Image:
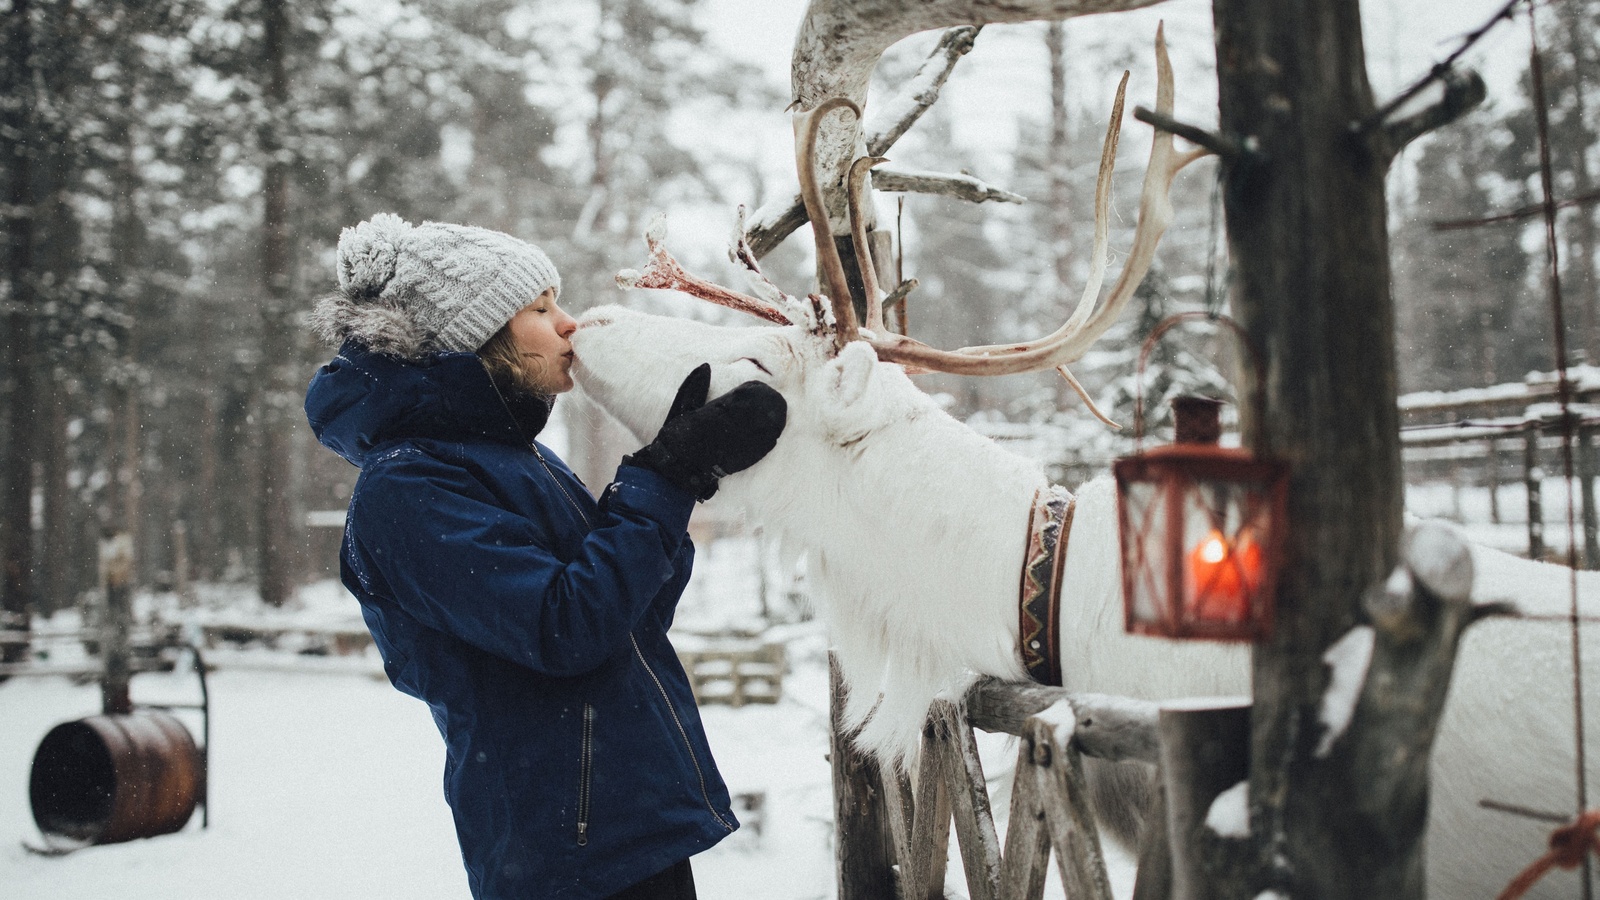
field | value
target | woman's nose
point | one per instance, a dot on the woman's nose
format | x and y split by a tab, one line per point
566	325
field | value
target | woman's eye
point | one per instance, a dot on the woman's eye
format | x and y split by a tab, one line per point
755	362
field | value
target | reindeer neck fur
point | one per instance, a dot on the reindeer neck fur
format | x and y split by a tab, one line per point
913	525
920	626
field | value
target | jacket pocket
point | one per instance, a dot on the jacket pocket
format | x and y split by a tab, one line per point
585	774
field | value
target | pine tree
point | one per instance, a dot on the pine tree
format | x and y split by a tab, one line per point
1468	314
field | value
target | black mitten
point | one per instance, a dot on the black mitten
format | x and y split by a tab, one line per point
700	442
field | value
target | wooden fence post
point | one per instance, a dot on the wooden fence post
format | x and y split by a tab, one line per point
1494	481
1204	752
1586	473
116	576
180	565
1533	478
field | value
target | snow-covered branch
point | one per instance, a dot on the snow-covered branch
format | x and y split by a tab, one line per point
965	187
840	42
777	220
903	110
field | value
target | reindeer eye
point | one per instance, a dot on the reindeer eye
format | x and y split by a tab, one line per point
755	362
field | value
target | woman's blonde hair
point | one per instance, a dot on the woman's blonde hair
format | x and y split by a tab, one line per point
509	368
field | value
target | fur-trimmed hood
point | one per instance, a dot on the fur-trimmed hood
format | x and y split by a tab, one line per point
362	400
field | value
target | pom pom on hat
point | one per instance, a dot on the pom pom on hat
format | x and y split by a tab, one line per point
411	290
367	254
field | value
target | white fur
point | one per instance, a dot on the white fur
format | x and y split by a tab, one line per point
913	526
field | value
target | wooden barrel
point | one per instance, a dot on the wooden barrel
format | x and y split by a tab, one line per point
106	779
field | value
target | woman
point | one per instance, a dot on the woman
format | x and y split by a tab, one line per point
531	618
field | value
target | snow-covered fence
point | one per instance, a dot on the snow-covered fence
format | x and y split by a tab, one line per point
1489	453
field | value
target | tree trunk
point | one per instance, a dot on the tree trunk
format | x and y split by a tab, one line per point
866	848
1586	291
276	534
1060	213
18	132
1306	230
864	844
206	538
54	588
1060	173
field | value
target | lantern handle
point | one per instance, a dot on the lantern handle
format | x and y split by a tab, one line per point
1162	327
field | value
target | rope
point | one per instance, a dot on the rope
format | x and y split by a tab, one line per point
1570	846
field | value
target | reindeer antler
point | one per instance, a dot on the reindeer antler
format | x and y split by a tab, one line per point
1088	320
833	277
663	272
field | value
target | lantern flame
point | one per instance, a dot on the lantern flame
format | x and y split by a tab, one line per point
1223	577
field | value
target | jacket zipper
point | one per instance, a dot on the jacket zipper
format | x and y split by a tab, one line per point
683	733
535	448
561	487
585	772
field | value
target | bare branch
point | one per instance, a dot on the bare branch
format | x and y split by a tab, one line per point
1524	212
840	42
776	221
773	222
1462	92
1223	147
915	97
965	187
858	194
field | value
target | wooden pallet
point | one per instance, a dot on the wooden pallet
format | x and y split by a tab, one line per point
735	675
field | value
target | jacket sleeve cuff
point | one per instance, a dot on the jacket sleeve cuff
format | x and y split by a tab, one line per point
654	496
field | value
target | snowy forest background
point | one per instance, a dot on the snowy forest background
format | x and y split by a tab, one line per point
177	173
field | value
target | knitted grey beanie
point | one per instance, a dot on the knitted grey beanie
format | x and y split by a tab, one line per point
408	290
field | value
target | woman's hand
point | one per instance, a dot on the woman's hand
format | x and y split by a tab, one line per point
700	441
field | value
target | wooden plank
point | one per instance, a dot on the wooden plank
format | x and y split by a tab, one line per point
975	831
81	670
1065	798
930	832
901	806
1027	853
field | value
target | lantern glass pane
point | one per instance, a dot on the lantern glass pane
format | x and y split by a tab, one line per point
1145	555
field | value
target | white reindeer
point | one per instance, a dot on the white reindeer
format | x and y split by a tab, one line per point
913	526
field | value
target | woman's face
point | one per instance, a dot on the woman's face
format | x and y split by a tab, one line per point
542	332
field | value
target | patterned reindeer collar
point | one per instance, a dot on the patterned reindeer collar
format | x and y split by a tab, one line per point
1049	526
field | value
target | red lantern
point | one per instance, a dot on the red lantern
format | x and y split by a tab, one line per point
1201	528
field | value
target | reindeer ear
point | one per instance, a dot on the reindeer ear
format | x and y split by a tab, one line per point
850	372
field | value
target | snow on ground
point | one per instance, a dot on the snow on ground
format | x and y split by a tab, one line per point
326	781
328	786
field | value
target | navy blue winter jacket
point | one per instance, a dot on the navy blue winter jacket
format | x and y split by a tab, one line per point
533	622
